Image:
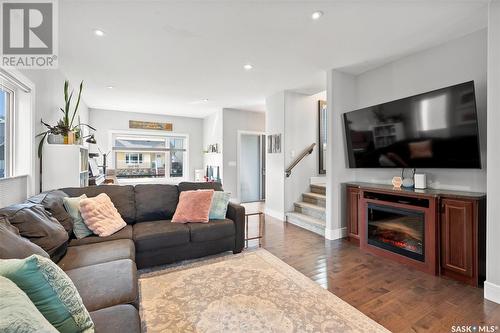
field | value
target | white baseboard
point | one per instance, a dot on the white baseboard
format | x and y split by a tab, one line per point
492	292
333	234
273	213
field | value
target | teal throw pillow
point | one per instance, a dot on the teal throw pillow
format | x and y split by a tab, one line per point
72	206
51	290
218	209
18	314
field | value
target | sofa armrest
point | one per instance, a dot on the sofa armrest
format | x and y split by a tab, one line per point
236	213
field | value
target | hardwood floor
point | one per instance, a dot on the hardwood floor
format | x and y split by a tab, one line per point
399	298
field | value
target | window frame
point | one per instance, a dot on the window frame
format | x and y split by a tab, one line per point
162	135
9	141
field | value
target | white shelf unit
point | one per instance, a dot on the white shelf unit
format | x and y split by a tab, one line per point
64	166
386	134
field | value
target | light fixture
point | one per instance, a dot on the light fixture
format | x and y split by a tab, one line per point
109	87
91	139
248	67
205	100
317	15
99	33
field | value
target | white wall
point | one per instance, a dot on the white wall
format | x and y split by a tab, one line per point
275	163
457	61
233	121
492	284
213	134
107	120
301	125
49	97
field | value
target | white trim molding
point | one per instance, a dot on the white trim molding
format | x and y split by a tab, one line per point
277	215
332	234
492	292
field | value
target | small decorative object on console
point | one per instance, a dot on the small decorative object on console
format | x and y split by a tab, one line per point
397	181
420	181
407	175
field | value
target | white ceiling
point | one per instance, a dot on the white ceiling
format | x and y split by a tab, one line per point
167	56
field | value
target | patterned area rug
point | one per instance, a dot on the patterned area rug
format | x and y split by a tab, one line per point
250	292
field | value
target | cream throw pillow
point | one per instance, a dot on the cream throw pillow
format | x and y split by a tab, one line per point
101	216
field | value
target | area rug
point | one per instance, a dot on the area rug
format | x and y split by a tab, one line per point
250	292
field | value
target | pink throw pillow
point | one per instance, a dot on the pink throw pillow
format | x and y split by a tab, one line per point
193	206
101	216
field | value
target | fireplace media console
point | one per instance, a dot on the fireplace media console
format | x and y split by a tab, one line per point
440	232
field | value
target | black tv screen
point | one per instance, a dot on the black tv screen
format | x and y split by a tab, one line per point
437	129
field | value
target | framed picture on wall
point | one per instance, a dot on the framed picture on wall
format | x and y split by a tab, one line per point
274	144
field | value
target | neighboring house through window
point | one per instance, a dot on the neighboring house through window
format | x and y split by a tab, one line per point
149	156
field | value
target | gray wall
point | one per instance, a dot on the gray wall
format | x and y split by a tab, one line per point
457	61
107	120
233	121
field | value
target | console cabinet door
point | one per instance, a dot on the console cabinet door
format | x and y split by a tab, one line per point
352	212
457	237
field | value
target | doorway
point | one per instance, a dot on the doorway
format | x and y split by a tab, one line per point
251	166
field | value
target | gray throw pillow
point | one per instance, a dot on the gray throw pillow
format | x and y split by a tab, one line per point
13	246
35	224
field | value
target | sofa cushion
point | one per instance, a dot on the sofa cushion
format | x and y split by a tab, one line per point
117	319
155	201
51	290
92	254
125	233
53	203
107	284
159	234
192	186
13	246
18	313
213	230
34	223
122	197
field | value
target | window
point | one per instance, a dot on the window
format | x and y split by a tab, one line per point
6	97
149	156
133	159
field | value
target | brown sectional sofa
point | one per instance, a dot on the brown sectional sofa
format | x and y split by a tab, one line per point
104	270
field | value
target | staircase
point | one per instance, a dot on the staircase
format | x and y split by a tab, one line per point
310	213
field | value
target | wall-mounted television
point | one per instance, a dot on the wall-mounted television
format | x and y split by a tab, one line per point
436	129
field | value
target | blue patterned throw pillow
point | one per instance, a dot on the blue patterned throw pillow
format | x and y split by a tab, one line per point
218	209
18	314
51	290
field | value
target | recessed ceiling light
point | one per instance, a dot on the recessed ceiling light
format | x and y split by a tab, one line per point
317	15
109	87
205	100
99	33
248	67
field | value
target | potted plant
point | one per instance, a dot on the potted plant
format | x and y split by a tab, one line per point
64	131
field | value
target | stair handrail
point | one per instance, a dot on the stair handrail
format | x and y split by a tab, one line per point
305	152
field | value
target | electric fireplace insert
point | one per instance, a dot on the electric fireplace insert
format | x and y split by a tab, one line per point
401	231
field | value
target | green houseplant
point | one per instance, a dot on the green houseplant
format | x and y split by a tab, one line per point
65	126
